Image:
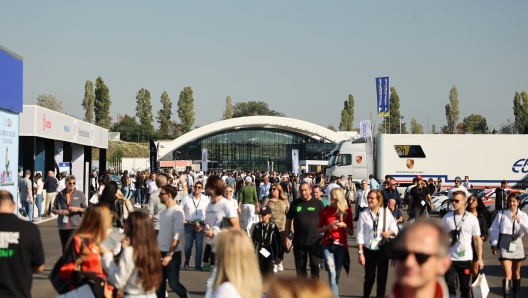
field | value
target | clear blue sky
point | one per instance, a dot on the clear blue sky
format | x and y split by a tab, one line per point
301	57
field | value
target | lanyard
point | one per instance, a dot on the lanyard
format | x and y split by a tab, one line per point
196	205
263	235
457	227
374	224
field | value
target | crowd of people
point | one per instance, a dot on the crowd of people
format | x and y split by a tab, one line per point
119	249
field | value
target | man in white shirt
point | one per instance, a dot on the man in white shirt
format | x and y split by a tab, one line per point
62	182
169	242
361	197
466	183
458	184
264	189
333	184
190	182
463	227
194	206
151	184
308	179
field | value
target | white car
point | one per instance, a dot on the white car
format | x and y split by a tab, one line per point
438	199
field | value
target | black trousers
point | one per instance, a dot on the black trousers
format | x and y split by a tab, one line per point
265	265
64	236
301	254
463	270
374	259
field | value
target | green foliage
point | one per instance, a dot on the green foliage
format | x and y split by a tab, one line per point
164	115
331	127
88	102
520	111
347	114
392	125
416	128
102	104
186	110
475	124
228	110
253	108
144	113
51	102
129	129
452	111
433	129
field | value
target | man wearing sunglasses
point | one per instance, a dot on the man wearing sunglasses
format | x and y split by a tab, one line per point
458	184
462	226
422	251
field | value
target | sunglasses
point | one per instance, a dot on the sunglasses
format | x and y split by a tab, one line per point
197	187
71	183
273	189
455	201
401	255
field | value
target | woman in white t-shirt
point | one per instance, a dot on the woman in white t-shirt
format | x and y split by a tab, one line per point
238	273
228	194
39	186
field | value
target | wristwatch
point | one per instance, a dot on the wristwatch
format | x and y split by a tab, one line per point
169	254
360	251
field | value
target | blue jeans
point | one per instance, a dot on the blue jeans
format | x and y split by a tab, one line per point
172	273
125	190
139	197
190	236
38	202
28	207
334	263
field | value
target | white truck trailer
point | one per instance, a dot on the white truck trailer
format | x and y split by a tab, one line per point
486	159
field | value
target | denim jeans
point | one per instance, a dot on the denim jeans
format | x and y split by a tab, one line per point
190	237
172	273
139	197
28	207
38	203
125	190
334	263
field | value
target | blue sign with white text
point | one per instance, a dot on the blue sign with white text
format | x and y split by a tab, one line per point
382	96
11	78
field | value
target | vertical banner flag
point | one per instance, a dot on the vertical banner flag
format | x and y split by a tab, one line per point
153	157
271	166
268	167
365	129
205	158
382	96
295	161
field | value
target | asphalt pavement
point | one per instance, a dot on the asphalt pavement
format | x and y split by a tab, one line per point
194	281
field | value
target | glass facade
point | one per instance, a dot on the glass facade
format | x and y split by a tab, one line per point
252	149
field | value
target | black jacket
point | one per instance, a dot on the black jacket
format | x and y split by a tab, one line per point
267	237
500	198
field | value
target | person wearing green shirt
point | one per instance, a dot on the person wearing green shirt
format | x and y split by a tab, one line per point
248	200
317	192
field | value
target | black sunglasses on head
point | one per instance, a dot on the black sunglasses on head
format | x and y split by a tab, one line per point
401	255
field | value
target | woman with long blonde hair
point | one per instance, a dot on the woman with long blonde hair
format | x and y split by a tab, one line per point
238	274
336	222
278	202
86	241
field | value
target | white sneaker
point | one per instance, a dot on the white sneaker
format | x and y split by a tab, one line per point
166	294
280	268
275	268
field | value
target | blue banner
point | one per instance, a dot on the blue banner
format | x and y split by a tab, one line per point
382	96
11	78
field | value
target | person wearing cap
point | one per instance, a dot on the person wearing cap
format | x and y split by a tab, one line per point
248	200
419	197
462	226
266	239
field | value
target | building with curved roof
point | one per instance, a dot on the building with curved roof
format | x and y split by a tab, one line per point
252	143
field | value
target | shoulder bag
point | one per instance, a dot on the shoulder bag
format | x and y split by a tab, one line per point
386	244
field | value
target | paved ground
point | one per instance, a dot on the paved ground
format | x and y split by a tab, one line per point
349	286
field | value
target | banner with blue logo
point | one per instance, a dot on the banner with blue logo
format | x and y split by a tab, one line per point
382	96
365	129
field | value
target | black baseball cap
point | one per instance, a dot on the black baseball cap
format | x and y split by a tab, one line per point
265	210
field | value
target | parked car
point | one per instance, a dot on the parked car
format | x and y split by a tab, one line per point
438	199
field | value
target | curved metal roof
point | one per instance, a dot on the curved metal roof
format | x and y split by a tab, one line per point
289	124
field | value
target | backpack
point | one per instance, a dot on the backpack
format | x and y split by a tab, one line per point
119	213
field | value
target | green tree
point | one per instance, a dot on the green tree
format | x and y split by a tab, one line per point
347	114
332	128
452	111
186	110
144	113
253	108
51	102
433	129
102	104
475	124
228	110
88	101
416	128
392	125
128	128
520	111
164	115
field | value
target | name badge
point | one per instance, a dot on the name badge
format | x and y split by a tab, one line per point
374	244
423	203
65	219
513	246
264	252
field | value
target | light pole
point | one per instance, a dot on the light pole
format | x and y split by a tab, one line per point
401	117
